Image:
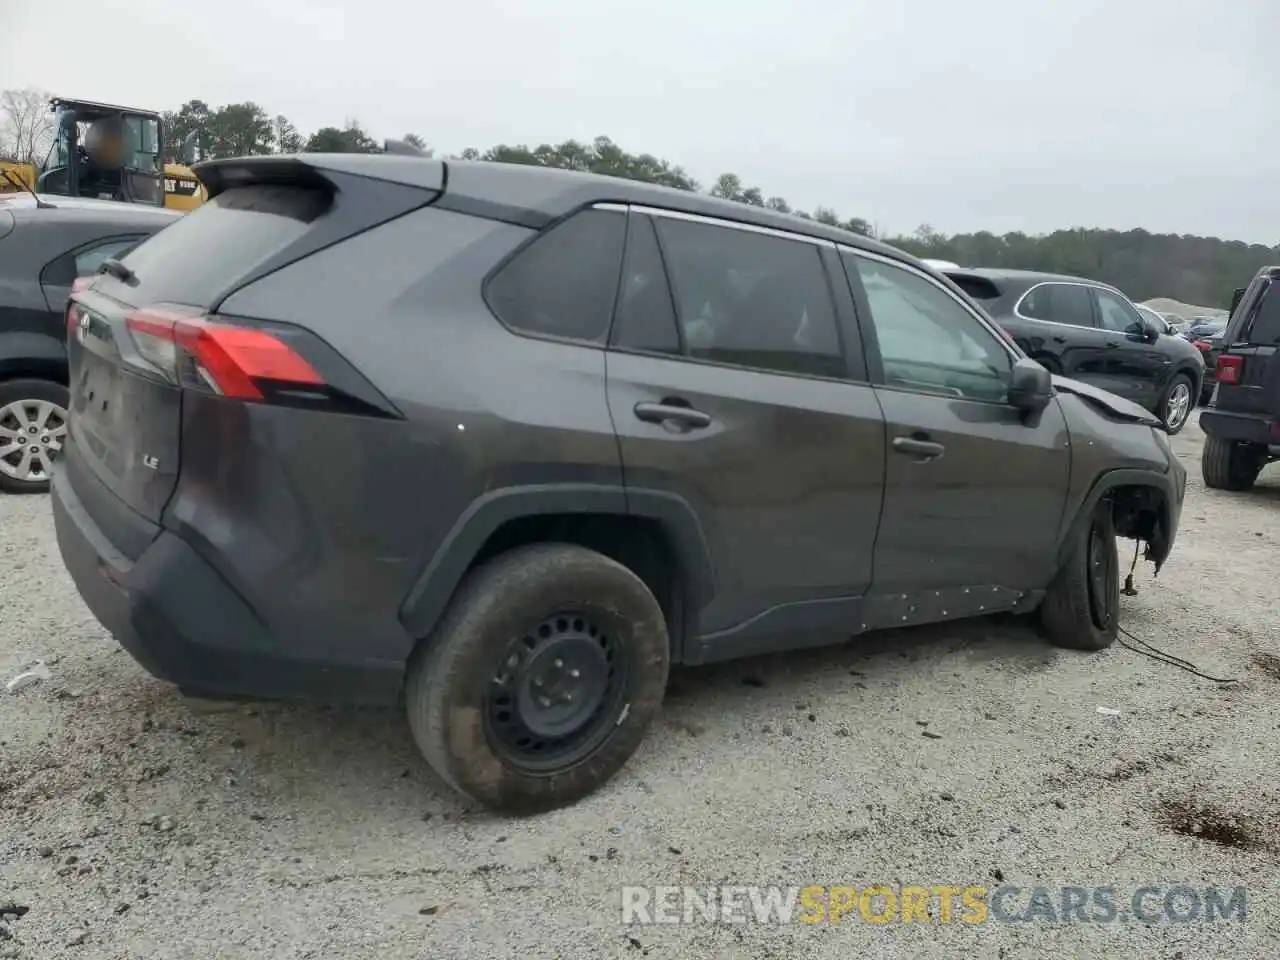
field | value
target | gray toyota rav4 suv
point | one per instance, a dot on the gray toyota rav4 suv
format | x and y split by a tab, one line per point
507	442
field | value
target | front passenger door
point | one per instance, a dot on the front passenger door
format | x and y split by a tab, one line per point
973	495
1136	369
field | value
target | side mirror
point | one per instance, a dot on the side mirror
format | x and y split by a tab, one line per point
1236	296
189	145
1030	386
1144	331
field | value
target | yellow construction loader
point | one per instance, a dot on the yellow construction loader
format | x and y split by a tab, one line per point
115	153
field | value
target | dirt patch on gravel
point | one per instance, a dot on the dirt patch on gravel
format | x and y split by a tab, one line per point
1268	663
1207	821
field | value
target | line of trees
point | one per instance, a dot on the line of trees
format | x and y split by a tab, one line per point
1196	270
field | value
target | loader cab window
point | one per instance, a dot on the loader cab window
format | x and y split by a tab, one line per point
140	145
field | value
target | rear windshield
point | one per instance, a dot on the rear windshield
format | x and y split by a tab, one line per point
202	255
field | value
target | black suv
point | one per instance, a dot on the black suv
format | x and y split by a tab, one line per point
1243	425
45	245
513	440
1091	332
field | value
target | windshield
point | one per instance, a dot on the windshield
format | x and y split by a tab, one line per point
141	144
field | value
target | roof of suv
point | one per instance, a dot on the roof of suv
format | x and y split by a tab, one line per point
533	196
1009	281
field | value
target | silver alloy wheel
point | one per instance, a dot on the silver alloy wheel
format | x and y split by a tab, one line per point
31	437
1178	405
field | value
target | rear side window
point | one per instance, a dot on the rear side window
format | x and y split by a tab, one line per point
1067	303
564	283
1266	321
752	300
196	258
89	261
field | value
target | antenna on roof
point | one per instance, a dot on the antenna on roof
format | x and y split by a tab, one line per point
402	148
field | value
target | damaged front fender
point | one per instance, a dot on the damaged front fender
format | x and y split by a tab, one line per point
1108	404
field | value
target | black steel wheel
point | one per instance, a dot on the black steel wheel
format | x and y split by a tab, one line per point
556	691
1081	608
542	678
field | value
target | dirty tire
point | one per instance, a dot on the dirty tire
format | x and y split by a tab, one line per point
450	674
1069	611
1227	465
1183	382
12	391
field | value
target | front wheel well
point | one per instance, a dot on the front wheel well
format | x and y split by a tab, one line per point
640	544
1195	376
1142	513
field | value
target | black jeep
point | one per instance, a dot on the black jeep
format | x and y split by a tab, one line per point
1243	424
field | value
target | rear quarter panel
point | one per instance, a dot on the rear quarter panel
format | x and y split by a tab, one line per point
315	507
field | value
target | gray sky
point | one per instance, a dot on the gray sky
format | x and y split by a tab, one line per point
982	114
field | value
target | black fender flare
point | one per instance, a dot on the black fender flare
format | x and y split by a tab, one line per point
24	350
435	585
1197	375
1075	524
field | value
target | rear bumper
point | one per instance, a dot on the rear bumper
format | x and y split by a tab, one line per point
183	623
1242	427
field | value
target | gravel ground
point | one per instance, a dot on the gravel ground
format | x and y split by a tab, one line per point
137	824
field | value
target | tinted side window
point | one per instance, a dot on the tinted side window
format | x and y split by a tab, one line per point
88	261
1067	303
646	317
1266	318
928	341
564	283
752	300
1116	314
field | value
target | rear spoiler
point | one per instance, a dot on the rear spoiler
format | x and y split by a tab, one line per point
324	171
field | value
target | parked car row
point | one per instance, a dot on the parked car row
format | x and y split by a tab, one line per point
1243	426
1092	332
44	246
589	429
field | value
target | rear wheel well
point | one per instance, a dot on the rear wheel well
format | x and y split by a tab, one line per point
34	368
638	543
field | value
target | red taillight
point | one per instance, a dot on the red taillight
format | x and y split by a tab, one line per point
1204	346
1229	368
226	358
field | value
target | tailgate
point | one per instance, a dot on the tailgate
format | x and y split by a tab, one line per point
125	422
1253	335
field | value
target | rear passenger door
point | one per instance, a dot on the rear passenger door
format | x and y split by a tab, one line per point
973	494
1057	326
737	385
